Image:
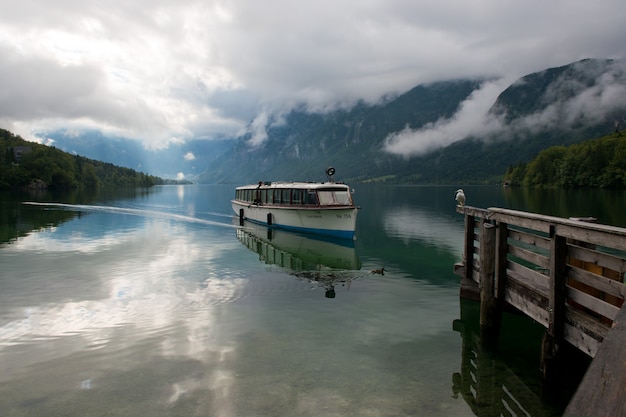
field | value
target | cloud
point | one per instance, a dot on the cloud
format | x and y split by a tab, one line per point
595	92
257	129
170	70
595	102
471	119
585	97
189	156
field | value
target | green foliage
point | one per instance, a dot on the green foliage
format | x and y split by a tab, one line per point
597	163
545	168
27	164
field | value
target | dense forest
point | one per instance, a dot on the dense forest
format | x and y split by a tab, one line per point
26	164
598	163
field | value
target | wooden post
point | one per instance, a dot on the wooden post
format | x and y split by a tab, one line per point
489	315
468	250
556	307
501	262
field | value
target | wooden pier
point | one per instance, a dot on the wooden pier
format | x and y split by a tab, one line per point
567	275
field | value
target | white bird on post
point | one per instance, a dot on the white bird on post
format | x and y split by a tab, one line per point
460	197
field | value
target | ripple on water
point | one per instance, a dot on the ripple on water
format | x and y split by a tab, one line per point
237	287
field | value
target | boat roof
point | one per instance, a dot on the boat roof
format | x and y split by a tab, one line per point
295	184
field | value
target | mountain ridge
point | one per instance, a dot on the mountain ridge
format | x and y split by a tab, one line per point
556	106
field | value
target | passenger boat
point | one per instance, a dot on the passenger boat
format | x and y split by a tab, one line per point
324	208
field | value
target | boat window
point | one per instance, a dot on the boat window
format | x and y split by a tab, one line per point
334	198
342	197
296	197
326	198
286	197
311	198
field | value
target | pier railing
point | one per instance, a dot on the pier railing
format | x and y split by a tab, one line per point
567	275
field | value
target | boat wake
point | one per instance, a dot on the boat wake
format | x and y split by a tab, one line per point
134	212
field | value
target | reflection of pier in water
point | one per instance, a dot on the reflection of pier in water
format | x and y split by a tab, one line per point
499	383
322	261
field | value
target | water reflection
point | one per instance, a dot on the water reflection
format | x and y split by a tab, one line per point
120	278
17	220
499	383
153	306
431	227
323	262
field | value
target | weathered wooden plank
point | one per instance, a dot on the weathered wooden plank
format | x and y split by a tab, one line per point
530	238
535	279
592	303
524	300
475	273
468	246
590	325
580	340
514	219
590	331
489	308
602	259
611	237
616	232
601	392
472	211
556	307
607	285
532	257
558	256
519	286
501	259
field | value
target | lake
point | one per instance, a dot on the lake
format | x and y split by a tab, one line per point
154	302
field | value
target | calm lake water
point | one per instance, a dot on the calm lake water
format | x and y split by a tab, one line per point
154	303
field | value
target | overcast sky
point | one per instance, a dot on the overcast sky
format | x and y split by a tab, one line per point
172	70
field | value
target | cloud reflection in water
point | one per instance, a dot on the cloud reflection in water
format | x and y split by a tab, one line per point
115	291
411	223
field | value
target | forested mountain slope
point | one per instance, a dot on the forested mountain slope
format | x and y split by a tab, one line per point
558	106
27	164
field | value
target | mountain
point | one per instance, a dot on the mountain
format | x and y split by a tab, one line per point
305	144
35	166
557	106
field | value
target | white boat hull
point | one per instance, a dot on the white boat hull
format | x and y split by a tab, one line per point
331	221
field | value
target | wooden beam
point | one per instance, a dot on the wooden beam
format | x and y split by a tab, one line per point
601	392
556	308
468	246
489	311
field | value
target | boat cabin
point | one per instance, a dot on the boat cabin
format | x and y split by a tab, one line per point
295	194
